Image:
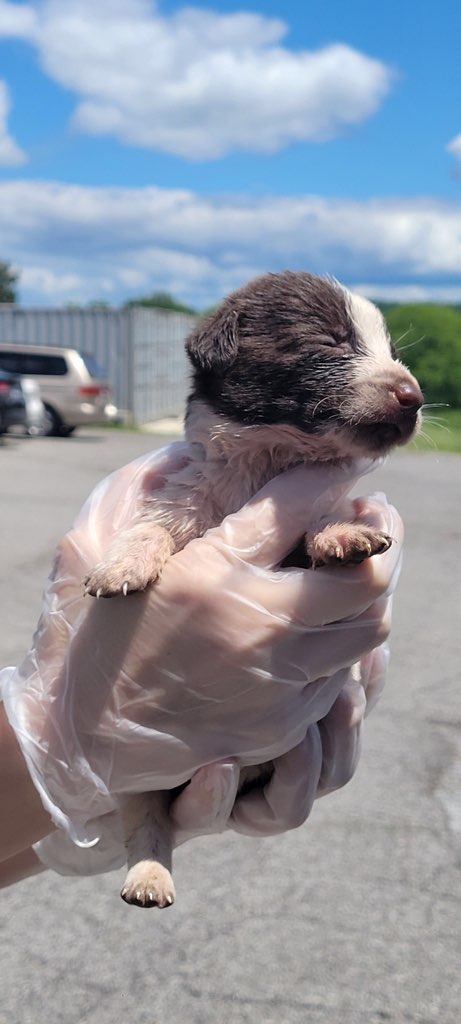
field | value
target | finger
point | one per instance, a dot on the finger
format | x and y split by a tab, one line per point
270	525
340	734
373	674
306	599
375	510
205	805
304	661
286	802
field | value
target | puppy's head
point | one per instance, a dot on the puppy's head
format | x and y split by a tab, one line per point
303	351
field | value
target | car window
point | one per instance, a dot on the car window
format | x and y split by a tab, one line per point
94	369
33	363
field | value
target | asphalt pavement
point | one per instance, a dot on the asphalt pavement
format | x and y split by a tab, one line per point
365	927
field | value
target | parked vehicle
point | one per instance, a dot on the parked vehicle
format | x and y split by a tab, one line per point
74	388
12	402
21	405
36	420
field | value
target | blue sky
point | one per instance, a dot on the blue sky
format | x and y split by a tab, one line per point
148	146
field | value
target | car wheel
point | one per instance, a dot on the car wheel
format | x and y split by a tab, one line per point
66	431
52	422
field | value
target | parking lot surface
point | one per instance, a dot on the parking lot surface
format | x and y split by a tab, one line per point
353	919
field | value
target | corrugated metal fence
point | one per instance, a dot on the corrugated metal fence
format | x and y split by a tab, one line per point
141	349
160	369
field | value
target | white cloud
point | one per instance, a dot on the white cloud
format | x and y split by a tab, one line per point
51	284
196	84
123	241
449	294
11	155
17	20
455	147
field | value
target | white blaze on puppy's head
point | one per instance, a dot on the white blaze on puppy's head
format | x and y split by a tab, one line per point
371	330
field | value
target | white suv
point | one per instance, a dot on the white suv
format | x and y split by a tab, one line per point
74	389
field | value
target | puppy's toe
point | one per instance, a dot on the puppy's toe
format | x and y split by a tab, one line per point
149	884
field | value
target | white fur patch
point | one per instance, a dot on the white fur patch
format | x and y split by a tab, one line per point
377	364
371	329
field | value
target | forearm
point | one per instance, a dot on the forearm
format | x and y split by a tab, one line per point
23	819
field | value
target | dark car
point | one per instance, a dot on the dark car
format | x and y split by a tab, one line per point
13	410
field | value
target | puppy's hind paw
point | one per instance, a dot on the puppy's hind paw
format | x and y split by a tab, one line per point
149	884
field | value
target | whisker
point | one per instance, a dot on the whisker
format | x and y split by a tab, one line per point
412	343
402	336
318	405
439	425
425	437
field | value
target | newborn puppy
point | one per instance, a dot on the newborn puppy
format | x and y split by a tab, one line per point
290	369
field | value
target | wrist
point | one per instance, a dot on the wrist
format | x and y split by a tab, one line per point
23	817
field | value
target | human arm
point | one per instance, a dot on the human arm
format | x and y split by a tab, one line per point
23	817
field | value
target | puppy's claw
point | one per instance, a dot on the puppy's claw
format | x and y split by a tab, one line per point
386	543
125	589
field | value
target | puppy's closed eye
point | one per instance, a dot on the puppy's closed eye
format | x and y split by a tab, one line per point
331	341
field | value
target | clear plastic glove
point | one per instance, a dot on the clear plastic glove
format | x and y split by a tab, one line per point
227	661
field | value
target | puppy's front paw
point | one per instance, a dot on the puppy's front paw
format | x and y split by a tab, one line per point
134	560
123	577
148	884
346	544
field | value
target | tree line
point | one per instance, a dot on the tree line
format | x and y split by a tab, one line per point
427	336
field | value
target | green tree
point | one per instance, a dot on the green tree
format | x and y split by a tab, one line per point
160	300
8	279
428	339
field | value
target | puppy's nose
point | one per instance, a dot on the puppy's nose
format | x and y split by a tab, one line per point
409	396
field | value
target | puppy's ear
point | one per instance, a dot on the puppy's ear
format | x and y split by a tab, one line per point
214	345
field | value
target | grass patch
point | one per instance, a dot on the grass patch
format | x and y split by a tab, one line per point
441	431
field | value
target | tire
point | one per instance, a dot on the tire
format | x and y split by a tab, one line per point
53	422
66	431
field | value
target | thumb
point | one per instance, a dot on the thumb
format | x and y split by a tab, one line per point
269	526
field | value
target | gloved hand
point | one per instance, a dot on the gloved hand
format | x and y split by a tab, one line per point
225	660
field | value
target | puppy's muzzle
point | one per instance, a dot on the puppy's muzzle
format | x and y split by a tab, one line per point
390	415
